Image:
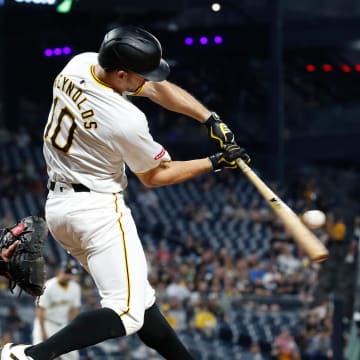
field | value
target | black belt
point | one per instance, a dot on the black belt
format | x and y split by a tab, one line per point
76	187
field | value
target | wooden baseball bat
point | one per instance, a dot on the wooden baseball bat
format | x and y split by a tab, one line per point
304	238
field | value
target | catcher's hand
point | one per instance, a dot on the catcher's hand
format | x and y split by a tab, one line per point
22	249
219	131
7	253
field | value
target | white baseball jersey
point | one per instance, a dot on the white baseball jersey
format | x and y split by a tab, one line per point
57	301
91	133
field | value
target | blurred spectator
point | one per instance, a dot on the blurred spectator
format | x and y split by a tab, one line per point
12	320
337	229
254	352
124	348
223	329
22	138
143	352
191	248
7	220
7	337
202	214
287	262
271	278
163	255
147	197
205	320
233	209
319	345
356	231
177	289
165	308
174	312
15	324
285	347
258	212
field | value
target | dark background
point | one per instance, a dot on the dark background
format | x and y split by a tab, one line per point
256	79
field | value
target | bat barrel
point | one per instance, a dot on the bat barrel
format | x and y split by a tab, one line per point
305	239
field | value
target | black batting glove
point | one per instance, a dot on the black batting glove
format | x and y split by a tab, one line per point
227	158
218	130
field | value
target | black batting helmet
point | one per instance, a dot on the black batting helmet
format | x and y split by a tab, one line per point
135	50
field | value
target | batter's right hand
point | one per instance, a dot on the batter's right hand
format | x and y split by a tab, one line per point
219	131
227	158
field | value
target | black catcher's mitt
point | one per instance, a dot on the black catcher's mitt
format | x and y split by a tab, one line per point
26	267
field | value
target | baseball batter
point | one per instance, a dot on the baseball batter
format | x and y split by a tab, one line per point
93	133
58	305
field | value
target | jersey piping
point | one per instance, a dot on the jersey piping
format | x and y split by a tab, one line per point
92	71
126	259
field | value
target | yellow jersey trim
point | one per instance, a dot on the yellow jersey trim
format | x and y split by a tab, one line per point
126	259
92	71
139	90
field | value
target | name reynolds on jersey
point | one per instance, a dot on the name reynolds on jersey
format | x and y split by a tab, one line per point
69	88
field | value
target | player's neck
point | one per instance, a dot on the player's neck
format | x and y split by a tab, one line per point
108	78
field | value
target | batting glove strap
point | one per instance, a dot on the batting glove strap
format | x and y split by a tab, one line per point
218	130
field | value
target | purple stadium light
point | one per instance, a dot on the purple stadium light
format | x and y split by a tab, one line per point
57	51
189	41
66	50
218	39
48	52
204	40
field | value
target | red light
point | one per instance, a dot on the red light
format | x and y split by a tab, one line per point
357	67
310	68
346	68
327	67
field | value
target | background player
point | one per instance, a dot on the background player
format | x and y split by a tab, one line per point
92	132
58	305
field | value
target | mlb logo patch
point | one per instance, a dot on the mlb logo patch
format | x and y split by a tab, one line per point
160	154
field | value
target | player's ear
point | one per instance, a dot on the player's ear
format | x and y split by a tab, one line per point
121	74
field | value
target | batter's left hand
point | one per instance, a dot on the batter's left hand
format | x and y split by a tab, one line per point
219	131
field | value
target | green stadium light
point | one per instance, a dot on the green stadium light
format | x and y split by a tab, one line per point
64	7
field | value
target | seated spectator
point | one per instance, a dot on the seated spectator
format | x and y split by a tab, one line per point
177	289
6	337
287	262
175	313
285	347
204	320
223	329
14	323
163	254
147	197
254	352
337	228
272	278
233	209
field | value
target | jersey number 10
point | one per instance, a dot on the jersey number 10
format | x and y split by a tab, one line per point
62	127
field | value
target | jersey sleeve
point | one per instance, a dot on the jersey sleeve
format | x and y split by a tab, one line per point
140	151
